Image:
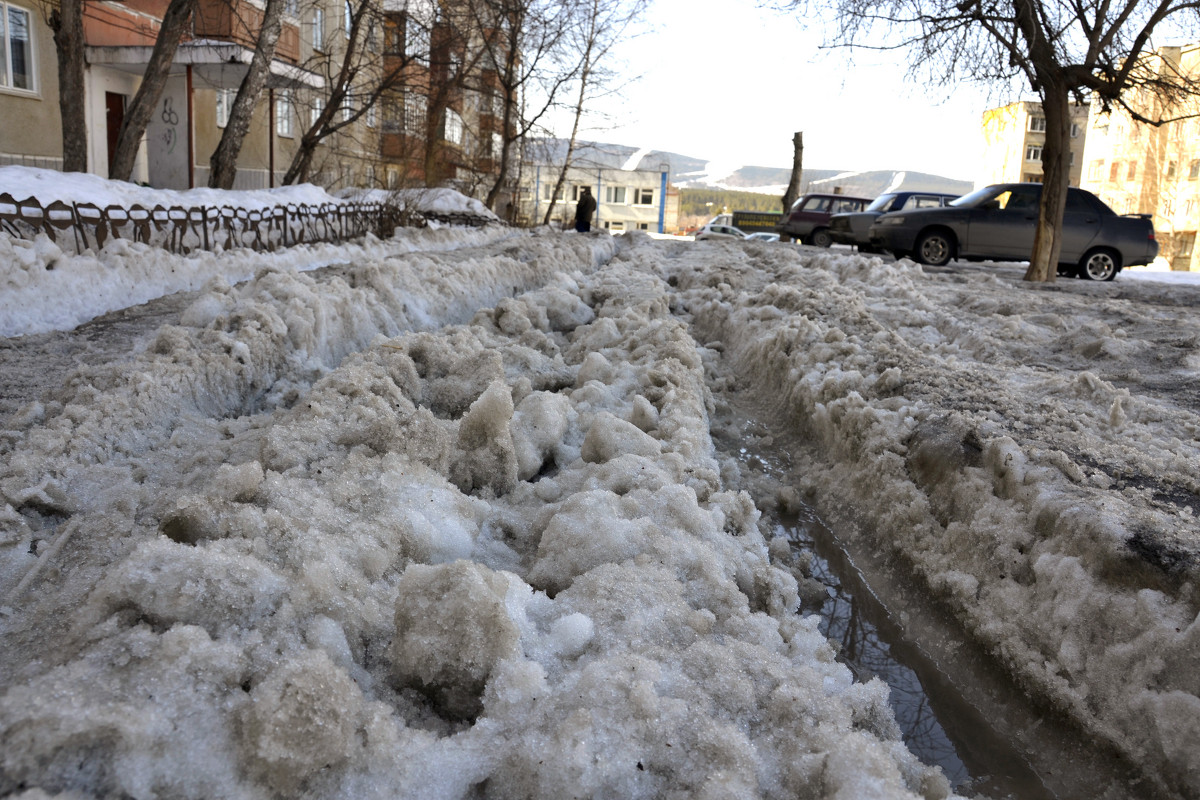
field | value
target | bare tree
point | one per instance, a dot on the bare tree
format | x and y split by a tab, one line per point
1061	49
137	116
525	52
223	164
598	27
66	22
352	76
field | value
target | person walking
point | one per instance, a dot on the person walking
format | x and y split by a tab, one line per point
584	210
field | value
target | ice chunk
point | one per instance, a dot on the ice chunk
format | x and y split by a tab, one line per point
452	627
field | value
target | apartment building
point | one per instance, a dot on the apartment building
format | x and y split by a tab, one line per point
1014	137
418	109
1145	169
627	199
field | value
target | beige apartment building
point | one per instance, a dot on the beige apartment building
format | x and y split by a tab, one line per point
438	124
1144	169
1014	136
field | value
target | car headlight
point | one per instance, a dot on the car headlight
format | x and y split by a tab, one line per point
890	220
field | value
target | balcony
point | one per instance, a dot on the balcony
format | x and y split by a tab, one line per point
239	22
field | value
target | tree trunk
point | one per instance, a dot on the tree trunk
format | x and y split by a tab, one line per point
137	115
223	164
67	24
1056	178
585	74
793	189
505	148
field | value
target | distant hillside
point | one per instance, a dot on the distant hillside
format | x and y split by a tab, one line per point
687	172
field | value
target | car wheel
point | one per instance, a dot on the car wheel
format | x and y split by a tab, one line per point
1100	264
821	238
935	248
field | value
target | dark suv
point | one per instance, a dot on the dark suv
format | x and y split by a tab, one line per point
808	221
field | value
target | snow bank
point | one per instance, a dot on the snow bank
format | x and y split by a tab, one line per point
44	289
441	525
48	185
1028	451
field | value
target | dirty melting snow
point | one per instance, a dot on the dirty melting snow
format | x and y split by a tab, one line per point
452	524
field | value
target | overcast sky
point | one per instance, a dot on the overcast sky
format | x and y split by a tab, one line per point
729	82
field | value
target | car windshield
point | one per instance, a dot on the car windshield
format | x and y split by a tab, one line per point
976	197
880	203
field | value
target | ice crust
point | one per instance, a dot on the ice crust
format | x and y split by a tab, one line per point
452	524
449	526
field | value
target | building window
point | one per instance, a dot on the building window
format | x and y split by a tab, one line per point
1172	168
393	179
615	194
415	109
318	30
371	175
348	19
416	40
1187	242
1033	152
371	116
1194	170
16	49
1074	131
1114	170
454	127
1031	177
1132	174
225	98
1097	170
291	7
643	197
1037	124
318	108
497	146
393	34
347	108
548	192
643	226
283	113
1189	207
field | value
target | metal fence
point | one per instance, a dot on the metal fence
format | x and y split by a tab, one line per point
83	226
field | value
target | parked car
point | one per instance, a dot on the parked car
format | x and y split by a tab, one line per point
808	219
762	236
997	223
855	228
718	231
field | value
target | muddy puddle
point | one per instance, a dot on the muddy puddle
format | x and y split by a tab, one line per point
955	708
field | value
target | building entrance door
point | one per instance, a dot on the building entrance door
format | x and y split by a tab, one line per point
114	113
